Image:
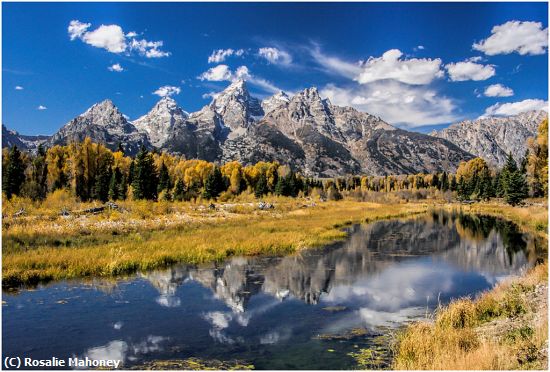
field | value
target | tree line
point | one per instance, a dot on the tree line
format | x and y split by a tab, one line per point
90	171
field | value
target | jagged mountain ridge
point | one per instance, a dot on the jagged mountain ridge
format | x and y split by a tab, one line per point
161	120
23	142
304	131
103	123
493	138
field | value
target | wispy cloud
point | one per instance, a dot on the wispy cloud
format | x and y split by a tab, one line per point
18	87
224	73
41	108
275	56
220	55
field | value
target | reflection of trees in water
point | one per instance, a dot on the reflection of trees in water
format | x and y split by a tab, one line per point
485	244
475	227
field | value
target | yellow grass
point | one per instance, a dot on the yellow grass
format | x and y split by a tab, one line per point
60	248
506	328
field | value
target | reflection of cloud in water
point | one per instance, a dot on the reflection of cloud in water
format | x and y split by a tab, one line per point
396	287
276	336
114	350
168	301
220	320
122	351
384	272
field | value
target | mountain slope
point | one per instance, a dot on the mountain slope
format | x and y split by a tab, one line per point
103	123
304	131
163	118
12	138
339	140
493	138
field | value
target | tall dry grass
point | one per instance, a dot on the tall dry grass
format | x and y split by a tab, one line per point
502	330
64	249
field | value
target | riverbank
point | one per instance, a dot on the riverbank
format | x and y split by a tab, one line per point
504	329
115	243
41	245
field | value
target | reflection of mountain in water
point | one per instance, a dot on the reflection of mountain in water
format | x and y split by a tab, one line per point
483	244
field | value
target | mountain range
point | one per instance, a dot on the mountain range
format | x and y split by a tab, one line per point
304	131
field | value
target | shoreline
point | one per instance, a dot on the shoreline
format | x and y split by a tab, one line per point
291	226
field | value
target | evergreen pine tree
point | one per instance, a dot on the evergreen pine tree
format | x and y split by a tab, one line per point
116	186
130	178
15	173
179	190
486	186
497	185
261	186
214	184
453	185
164	178
516	189
524	163
102	183
435	181
462	189
281	186
444	184
145	178
37	185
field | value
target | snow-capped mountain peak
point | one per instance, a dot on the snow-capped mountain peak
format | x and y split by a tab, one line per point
159	123
275	101
236	107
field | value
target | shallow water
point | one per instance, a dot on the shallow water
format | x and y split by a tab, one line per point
269	311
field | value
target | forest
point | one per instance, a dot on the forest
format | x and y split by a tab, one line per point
90	171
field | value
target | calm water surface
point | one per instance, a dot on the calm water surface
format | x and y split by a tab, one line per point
269	311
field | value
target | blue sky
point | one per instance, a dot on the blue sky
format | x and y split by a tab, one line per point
417	65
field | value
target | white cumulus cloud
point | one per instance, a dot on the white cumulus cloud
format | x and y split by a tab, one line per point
218	73
116	68
514	108
275	56
416	71
220	55
18	87
167	91
41	108
515	36
108	37
498	90
113	39
396	103
469	70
